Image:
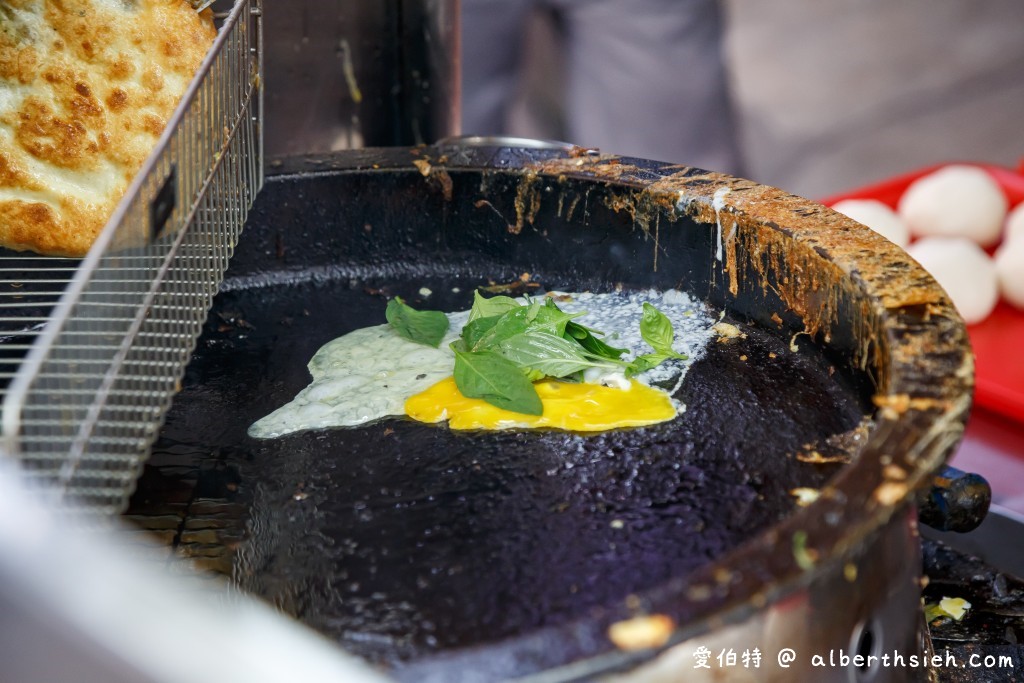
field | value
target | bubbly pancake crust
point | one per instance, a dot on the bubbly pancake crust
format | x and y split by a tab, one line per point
86	88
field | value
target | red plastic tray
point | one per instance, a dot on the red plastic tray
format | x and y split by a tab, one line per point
998	340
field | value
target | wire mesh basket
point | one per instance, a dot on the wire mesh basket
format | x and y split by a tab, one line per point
92	351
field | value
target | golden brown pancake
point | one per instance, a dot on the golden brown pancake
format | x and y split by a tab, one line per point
86	88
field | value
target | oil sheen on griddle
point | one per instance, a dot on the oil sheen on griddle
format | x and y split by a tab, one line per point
402	540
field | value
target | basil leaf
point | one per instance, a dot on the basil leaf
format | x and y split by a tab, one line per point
576	331
553	319
488	376
475	329
585	337
534	375
533	309
496	305
656	330
645	362
534	318
506	326
548	353
422	327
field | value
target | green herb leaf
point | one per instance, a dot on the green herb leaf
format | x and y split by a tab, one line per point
507	325
552	319
548	353
533	375
533	318
656	330
645	362
476	329
576	331
422	327
494	306
586	338
488	376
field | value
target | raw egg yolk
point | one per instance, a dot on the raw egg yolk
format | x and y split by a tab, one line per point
577	407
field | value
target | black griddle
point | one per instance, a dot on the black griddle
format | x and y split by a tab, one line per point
400	539
478	556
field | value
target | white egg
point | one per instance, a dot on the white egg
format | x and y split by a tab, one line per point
964	270
877	216
360	377
369	373
955	201
1014	229
1010	270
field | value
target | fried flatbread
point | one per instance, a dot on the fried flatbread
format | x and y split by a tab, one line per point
86	89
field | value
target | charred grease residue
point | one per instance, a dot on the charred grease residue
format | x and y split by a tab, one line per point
401	540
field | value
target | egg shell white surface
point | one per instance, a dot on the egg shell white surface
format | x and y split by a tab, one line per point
1009	261
964	270
877	216
955	201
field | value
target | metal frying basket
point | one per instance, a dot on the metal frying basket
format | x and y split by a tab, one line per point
92	351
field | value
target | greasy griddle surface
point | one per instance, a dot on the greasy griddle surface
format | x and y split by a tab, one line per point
401	539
